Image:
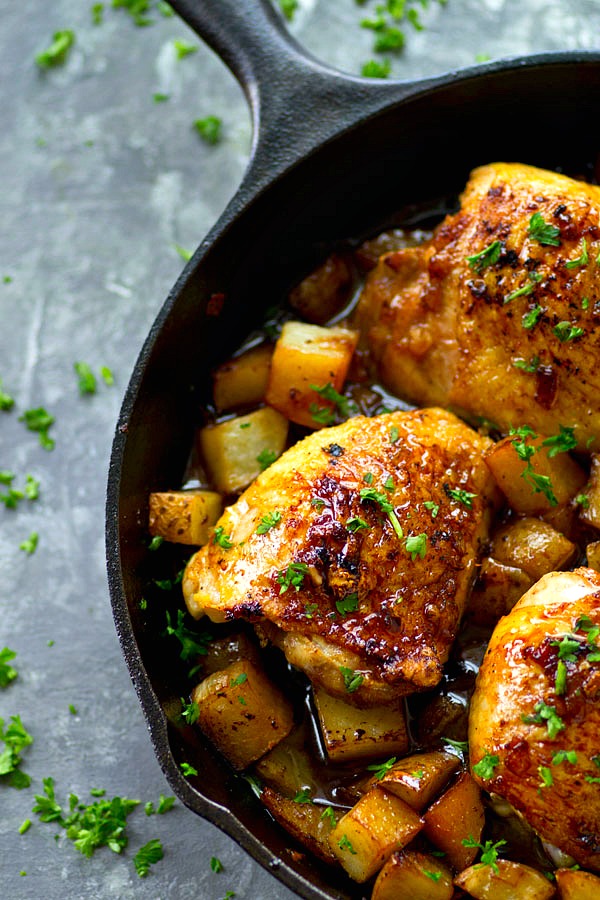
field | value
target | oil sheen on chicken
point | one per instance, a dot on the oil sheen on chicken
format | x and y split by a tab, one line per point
332	581
535	714
497	315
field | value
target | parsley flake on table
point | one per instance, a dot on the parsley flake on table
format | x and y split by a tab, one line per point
15	738
86	378
352	679
184	48
97	13
147	855
216	865
25	826
209	129
6	401
7	672
375	69
32	487
543	232
288	8
107	376
29	545
381	769
56	53
186	255
40	421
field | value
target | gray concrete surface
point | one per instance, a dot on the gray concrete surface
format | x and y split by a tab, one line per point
97	184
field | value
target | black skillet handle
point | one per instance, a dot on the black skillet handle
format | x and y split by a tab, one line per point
296	101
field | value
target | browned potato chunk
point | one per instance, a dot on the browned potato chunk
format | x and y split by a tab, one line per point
308	823
456	816
533	546
323	293
242	380
512	880
184	517
593	555
577	885
414	876
375	828
497	589
566	476
236	451
350	733
308	355
287	767
242	713
222	652
418	778
590	511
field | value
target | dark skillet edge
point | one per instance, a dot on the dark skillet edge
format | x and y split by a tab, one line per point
157	722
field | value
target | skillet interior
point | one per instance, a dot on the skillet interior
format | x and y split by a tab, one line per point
417	153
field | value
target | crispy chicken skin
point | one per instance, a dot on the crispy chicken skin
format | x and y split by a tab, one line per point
440	330
537	698
360	599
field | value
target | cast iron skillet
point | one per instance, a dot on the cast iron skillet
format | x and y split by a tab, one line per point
333	156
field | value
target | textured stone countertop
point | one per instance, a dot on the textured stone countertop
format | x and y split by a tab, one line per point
99	183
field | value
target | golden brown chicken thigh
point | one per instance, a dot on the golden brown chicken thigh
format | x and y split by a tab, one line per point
355	551
498	315
534	728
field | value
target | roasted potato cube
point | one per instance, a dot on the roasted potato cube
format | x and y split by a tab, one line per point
590	511
574	884
350	733
566	476
308	355
414	876
593	555
184	517
418	778
323	293
222	652
242	713
533	546
236	451
511	880
287	767
371	831
497	589
242	380
308	823
456	816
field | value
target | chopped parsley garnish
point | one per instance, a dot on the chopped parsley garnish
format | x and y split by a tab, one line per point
329	815
25	826
560	681
303	796
382	501
461	747
147	855
519	292
160	98
356	524
394	435
375	69
435	876
352	679
592	780
288	8
562	442
348	605
546	776
87	379
15	738
39	420
538	483
187	769
7	672
266	458
186	255
6	401
13	496
389	484
531	366
460	496
310	609
543	232
293	576
381	769
344	844
531	318
268	521
325	415
221	539
486	765
583	501
416	545
581	260
32	487
209	129
562	756
489	851
239	679
183	49
192	643
548	715
107	376
216	865
189	711
30	543
97	13
433	508
72	710
487	257
156	542
56	53
565	331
